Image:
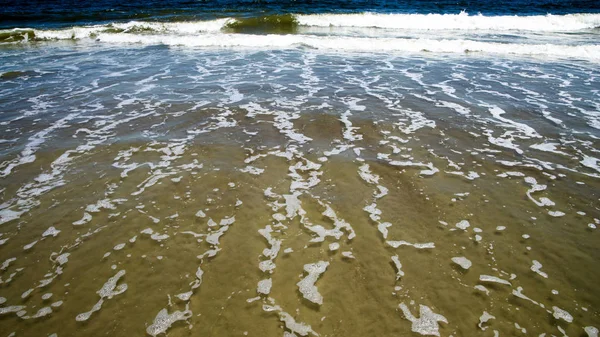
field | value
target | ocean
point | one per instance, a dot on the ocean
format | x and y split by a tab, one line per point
299	168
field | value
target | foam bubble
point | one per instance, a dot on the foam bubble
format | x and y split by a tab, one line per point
562	314
7	262
185	296
382	227
373	211
536	268
591	162
591	331
108	290
307	285
51	231
26	294
164	320
11	309
266	266
519	293
463	262
302	329
493	279
463	224
63	258
43	312
397	244
398	265
366	174
427	323
87	217
556	214
482	288
264	286
483	319
252	170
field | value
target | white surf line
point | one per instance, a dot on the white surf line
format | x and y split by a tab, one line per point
535	187
292	208
283	122
61	258
590	162
311	81
171	151
286	207
460	21
349	133
289	322
369	177
163	320
374	213
267	266
557	312
412	22
300	183
338	223
106	203
470	175
521	130
25	199
108	291
428	169
27	155
413	121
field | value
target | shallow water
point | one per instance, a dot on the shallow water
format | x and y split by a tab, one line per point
184	171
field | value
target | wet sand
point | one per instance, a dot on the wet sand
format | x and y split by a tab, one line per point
255	219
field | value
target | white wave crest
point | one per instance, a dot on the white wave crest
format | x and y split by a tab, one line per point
175	28
420	22
187	27
588	52
210	34
462	21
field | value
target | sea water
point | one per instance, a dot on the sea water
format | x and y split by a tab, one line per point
299	168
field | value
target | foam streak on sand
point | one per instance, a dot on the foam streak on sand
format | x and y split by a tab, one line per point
427	323
307	285
108	291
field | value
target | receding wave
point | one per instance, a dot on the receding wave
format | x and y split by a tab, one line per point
588	52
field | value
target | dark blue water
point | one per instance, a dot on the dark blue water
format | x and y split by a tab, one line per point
62	13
